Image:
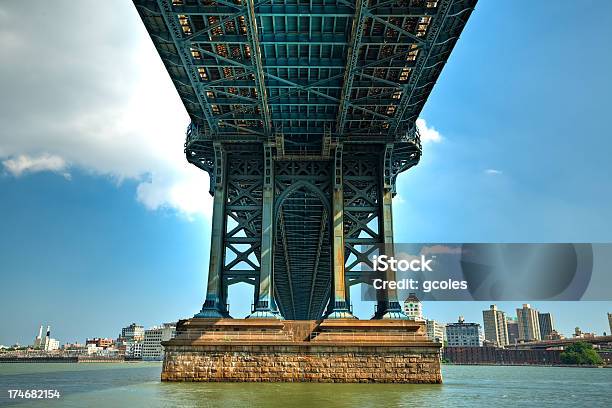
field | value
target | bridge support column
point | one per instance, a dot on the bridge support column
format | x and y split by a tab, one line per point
388	306
215	305
265	306
341	309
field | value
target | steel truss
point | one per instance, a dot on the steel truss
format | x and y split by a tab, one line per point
303	113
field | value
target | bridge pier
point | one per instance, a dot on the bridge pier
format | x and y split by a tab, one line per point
215	304
272	350
338	305
265	305
326	343
388	306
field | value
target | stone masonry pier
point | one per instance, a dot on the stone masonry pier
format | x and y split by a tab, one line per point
256	350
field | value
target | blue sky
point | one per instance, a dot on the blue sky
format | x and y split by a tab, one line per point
104	223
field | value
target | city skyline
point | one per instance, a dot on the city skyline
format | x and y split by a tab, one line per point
425	317
105	218
39	339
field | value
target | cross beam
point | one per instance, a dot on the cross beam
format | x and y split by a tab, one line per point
258	68
351	62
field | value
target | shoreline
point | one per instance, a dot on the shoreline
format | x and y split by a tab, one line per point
70	359
527	365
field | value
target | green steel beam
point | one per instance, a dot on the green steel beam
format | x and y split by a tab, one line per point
292	84
214	305
258	72
292	10
176	35
437	23
408	34
304	39
331	84
352	56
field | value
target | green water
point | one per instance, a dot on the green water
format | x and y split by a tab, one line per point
137	385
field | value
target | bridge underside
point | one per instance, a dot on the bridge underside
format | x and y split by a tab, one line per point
303	113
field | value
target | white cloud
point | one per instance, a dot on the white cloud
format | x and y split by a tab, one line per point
31	164
184	191
428	134
102	103
493	172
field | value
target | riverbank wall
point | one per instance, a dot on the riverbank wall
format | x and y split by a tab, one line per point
499	356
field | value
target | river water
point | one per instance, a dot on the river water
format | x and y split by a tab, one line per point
137	385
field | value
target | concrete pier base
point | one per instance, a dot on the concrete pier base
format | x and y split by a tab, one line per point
271	350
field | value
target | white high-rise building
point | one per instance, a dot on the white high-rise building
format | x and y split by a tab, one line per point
495	326
413	307
152	348
133	332
436	331
462	334
133	349
52	344
528	323
38	341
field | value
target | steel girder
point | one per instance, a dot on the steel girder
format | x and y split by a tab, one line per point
352	57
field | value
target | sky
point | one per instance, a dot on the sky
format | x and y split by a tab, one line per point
104	223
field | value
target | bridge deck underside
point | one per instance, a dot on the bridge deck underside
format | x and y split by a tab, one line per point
304	69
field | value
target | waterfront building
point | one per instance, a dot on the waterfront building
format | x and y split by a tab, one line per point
100	342
463	334
547	324
133	332
74	348
579	334
45	343
38	342
513	331
52	345
554	335
528	323
69	346
133	349
495	326
152	348
436	331
413	307
93	349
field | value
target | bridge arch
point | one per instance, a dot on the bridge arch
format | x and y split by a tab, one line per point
302	251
